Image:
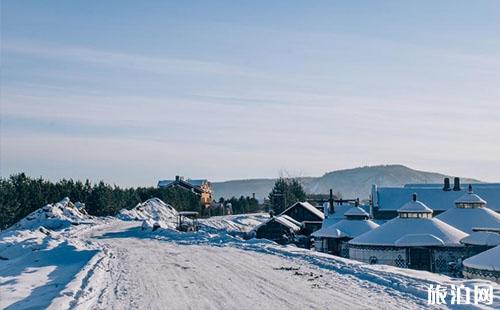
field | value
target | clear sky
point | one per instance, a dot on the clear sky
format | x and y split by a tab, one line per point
133	91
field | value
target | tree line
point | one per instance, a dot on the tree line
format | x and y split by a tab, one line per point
20	195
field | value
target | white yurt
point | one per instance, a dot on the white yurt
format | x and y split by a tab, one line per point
414	240
470	211
333	238
485	265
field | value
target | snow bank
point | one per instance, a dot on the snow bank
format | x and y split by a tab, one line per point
234	223
153	212
54	216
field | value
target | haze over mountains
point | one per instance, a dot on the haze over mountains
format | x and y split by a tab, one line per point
351	183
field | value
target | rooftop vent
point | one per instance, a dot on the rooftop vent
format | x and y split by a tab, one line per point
456	184
446	186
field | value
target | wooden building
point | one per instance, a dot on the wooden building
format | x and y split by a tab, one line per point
281	229
200	187
308	215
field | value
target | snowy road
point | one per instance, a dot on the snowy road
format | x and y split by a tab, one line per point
113	264
157	274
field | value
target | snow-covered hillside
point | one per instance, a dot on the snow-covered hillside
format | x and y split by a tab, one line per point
111	263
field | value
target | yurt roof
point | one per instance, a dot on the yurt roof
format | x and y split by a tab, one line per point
346	228
486	238
395	229
487	260
467	218
355	211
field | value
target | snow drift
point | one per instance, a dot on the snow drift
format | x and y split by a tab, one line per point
55	216
153	212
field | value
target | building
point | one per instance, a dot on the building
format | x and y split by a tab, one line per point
470	212
413	240
308	215
485	265
333	238
480	240
438	197
281	229
200	187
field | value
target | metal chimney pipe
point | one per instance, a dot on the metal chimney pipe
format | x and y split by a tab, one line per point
330	201
456	184
446	186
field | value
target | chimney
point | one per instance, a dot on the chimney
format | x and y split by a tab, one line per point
357	202
446	186
253	195
414	197
330	200
177	178
456	184
271	213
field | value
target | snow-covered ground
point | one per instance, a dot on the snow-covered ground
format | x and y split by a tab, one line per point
109	263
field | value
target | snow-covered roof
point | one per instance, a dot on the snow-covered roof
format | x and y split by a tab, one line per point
284	220
486	238
356	211
467	218
487	260
432	195
415	206
419	240
392	231
470	198
291	219
307	206
345	228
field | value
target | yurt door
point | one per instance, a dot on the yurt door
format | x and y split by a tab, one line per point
420	259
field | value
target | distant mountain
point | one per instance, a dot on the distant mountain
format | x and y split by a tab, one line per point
351	183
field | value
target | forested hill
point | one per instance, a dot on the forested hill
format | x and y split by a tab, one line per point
351	183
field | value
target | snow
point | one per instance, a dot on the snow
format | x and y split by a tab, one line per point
415	206
54	216
345	228
284	220
309	207
467	218
419	240
153	212
487	260
486	238
470	198
356	211
234	223
114	264
397	228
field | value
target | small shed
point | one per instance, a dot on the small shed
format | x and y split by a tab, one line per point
304	212
413	240
281	229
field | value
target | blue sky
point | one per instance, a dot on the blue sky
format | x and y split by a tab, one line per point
133	91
